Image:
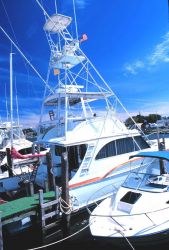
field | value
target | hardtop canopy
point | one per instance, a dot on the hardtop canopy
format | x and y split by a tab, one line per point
164	155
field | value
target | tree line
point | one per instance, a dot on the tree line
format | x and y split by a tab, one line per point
151	118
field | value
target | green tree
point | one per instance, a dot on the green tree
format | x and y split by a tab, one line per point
151	118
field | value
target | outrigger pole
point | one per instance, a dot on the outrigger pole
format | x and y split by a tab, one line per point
30	64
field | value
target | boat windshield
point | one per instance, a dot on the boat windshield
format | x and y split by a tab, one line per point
5	135
152	175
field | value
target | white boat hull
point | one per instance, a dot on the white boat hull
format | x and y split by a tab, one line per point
138	213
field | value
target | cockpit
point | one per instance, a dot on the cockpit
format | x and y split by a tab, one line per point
152	175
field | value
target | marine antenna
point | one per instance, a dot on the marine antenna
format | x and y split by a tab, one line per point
74	10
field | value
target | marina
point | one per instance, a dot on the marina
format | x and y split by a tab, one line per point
81	178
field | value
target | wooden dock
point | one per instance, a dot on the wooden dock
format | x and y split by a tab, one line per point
22	207
40	210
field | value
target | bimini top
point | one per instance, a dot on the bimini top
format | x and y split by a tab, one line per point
154	154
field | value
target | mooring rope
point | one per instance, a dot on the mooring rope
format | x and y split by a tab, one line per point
61	240
122	234
79	231
65	207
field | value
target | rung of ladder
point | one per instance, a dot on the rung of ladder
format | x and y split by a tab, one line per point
50	203
86	158
49	215
51	225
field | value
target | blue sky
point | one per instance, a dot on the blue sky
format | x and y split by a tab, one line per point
128	42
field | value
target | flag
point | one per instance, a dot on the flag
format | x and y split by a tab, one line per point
84	38
56	72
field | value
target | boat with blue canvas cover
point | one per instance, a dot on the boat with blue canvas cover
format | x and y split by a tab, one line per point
138	213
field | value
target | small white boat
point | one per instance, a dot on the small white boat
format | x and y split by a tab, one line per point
22	167
138	213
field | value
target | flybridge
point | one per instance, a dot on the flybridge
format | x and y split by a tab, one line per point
74	97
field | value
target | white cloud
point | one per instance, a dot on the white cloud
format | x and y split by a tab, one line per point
159	55
133	68
30	120
161	52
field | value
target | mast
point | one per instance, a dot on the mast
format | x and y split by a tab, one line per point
11	98
6	103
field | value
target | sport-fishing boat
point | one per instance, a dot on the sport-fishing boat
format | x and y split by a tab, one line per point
138	213
80	115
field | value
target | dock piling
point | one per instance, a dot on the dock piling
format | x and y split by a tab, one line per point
51	179
31	188
46	185
1	235
9	161
65	192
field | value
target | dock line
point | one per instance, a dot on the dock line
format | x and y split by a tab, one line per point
56	242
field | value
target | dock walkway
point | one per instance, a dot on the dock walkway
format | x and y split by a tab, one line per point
23	206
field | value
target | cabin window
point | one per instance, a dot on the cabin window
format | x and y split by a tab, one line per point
131	197
141	142
25	151
122	146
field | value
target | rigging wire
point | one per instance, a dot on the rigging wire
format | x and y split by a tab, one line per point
9	20
168	10
17	108
30	64
44	94
10	23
